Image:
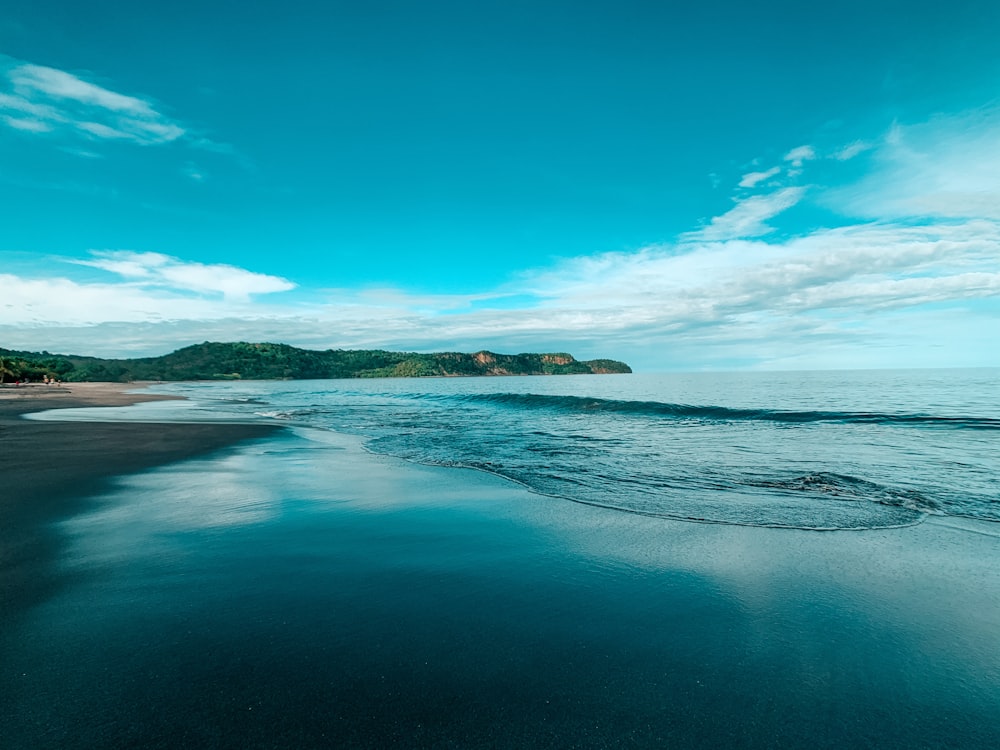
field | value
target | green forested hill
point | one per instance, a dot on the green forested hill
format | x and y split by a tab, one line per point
224	361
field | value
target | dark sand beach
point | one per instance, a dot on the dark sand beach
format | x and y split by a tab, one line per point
175	585
48	468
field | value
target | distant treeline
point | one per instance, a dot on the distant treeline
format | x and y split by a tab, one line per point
233	361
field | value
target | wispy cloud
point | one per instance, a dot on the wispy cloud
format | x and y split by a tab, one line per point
164	271
947	168
158	270
194	172
39	99
748	218
26	123
752	179
799	155
851	150
710	280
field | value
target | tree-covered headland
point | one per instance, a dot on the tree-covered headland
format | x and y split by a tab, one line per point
232	361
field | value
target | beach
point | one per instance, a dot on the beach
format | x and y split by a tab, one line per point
234	585
48	468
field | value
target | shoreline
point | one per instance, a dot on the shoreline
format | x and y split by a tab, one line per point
48	469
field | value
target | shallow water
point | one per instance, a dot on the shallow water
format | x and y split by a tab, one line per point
821	450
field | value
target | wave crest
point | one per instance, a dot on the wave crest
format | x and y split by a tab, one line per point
724	413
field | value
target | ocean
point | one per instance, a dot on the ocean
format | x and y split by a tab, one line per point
793	560
812	450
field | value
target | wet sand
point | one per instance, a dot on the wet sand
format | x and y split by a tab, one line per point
47	469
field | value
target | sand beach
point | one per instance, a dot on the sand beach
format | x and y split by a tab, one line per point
48	468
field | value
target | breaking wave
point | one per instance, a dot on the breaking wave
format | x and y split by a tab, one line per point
723	413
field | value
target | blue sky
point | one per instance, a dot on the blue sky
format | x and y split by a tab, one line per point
732	185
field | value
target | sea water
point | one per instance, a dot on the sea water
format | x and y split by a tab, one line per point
816	450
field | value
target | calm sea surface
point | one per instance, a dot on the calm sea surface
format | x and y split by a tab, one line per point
313	589
824	450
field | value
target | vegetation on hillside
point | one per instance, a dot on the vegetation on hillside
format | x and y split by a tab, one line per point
231	361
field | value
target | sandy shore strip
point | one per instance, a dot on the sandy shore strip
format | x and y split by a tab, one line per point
48	468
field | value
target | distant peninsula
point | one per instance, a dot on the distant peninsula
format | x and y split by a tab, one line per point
241	360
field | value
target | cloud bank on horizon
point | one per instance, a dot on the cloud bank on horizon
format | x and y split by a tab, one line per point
871	249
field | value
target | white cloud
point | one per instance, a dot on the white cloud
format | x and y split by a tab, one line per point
101	130
753	178
59	84
851	150
799	155
946	168
232	282
42	100
24	123
712	279
156	269
192	171
22	106
749	216
62	301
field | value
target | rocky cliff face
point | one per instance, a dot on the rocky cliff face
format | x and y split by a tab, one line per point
557	359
